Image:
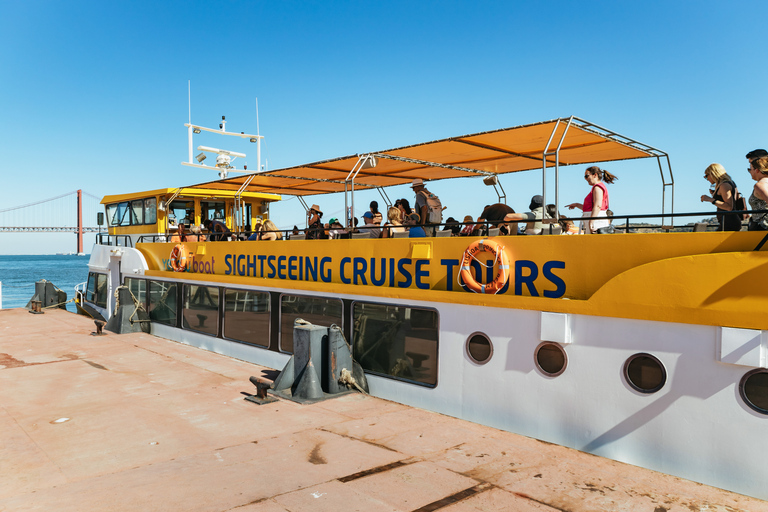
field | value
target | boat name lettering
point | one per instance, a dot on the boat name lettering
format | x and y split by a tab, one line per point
388	272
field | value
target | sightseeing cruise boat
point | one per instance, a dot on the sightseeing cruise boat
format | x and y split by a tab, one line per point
647	348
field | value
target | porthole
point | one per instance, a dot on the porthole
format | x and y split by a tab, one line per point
754	390
479	348
551	359
645	373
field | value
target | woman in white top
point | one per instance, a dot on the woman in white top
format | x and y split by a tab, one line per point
393	224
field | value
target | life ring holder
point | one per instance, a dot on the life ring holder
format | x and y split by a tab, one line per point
178	259
500	257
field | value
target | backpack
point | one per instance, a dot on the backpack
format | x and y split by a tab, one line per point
434	208
740	204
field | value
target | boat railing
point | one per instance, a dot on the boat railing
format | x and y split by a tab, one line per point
114	240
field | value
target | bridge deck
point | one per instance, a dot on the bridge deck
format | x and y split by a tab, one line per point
135	422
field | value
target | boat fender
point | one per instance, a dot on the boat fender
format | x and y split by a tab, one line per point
500	257
178	258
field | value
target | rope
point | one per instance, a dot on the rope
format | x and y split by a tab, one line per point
59	304
347	379
136	304
495	260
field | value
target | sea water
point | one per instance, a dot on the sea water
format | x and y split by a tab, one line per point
18	275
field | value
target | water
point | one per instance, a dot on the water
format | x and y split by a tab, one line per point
18	275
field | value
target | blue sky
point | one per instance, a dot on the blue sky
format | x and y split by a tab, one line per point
94	94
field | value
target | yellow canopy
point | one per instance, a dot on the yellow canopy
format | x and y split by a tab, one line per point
495	152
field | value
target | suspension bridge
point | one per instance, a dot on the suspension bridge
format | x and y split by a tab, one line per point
60	214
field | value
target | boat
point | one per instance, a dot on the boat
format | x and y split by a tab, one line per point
655	356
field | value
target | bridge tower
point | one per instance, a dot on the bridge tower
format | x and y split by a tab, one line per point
79	221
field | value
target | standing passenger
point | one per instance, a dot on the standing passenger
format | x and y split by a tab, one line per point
596	202
758	170
722	197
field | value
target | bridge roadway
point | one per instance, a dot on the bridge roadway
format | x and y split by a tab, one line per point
52	229
135	422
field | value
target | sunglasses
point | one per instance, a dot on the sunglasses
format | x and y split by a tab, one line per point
586	176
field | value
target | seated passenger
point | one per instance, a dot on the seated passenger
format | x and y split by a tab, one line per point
173	235
393	224
217	229
270	231
414	228
257	230
371	225
452	225
533	225
337	230
468	227
377	217
494	215
197	234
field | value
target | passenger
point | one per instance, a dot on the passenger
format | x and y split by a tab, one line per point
468	227
295	230
270	231
405	209
756	153
183	232
414	226
722	197
217	229
596	202
377	217
453	226
371	225
197	234
534	225
393	225
337	230
493	215
173	232
421	206
758	170
315	227
257	231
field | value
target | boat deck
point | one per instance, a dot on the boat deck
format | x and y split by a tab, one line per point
136	422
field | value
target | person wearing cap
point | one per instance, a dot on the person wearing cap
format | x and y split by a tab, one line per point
336	229
414	226
315	228
371	225
533	219
420	205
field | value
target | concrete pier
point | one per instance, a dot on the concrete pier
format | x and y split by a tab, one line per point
134	422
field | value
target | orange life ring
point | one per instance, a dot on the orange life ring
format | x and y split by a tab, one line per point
500	255
178	258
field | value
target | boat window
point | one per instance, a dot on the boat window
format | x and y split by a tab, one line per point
182	212
162	302
118	214
479	348
246	316
754	390
211	210
150	210
551	359
396	341
316	310
137	212
645	373
138	288
200	311
96	289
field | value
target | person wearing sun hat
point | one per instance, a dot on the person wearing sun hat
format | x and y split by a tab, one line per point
315	228
420	206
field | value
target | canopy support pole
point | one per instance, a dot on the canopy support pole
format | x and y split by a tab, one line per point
363	162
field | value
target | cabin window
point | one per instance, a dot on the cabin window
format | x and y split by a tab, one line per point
551	359
181	212
137	212
118	214
200	311
479	348
316	310
396	341
246	317
138	288
212	210
96	289
754	390
162	302
645	373
150	210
